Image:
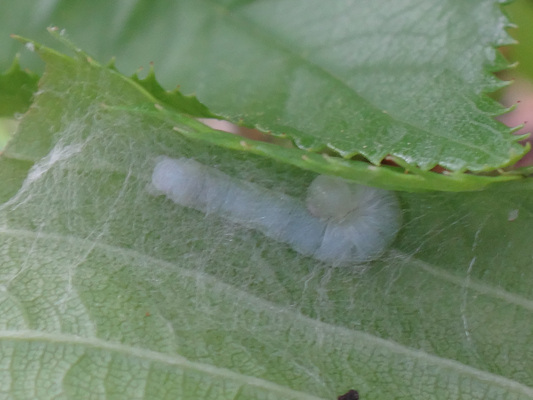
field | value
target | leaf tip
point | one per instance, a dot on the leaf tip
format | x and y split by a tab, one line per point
518	138
516	128
111	64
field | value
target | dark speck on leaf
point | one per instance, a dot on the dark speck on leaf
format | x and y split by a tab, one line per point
351	395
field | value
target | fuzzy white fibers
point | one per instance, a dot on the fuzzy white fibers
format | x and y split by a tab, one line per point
342	223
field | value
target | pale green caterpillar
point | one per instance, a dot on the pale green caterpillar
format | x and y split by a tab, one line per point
342	222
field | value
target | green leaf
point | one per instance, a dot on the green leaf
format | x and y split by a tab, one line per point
179	110
386	78
407	177
16	89
109	292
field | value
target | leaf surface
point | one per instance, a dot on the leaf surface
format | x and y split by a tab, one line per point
402	78
109	292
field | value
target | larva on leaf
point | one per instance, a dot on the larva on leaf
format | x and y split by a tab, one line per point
342	222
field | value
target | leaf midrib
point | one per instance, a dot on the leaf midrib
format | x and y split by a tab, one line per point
153	356
90	244
472	283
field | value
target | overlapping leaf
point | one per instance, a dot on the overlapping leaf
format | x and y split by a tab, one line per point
363	78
